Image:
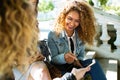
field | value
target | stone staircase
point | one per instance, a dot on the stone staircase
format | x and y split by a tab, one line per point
109	66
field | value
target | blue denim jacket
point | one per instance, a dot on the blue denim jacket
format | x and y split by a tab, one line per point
58	46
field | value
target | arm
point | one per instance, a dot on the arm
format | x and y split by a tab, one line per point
80	56
56	56
40	71
80	50
60	53
76	74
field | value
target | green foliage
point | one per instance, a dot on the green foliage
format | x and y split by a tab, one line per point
45	6
103	2
108	7
118	13
116	9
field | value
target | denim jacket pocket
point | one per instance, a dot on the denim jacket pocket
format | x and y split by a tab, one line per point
61	46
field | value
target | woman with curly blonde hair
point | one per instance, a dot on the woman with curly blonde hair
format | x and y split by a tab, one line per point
16	32
18	45
74	27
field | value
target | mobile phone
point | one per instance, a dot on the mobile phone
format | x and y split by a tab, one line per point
93	62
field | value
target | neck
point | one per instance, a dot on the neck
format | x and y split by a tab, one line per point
69	33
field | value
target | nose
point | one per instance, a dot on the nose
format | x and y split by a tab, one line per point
72	23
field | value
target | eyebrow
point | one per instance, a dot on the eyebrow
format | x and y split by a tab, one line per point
73	18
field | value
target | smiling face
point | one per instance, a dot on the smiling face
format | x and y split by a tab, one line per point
72	21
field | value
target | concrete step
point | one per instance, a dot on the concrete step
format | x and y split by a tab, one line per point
110	68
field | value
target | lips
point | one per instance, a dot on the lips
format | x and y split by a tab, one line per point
70	28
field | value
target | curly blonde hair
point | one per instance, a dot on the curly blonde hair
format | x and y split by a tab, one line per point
86	30
17	28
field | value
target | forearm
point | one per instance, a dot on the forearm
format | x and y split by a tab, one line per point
59	59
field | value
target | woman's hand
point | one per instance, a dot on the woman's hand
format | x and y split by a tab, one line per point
79	73
70	58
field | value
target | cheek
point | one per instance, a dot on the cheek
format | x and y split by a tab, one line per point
67	22
76	25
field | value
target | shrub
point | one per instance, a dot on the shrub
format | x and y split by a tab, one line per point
45	6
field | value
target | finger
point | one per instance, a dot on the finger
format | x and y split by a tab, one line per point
74	57
88	68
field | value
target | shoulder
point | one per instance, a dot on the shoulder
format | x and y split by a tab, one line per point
39	71
38	65
52	34
38	68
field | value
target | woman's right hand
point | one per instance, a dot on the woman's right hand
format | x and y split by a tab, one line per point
79	73
69	57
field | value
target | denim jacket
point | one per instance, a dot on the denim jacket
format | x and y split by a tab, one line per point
58	46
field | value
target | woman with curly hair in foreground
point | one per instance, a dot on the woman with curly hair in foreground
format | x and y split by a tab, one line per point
16	31
18	45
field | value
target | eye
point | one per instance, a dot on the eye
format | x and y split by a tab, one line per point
77	21
69	18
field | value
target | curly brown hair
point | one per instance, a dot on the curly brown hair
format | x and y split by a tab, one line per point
17	28
87	28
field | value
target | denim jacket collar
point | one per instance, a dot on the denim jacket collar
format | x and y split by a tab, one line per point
78	41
